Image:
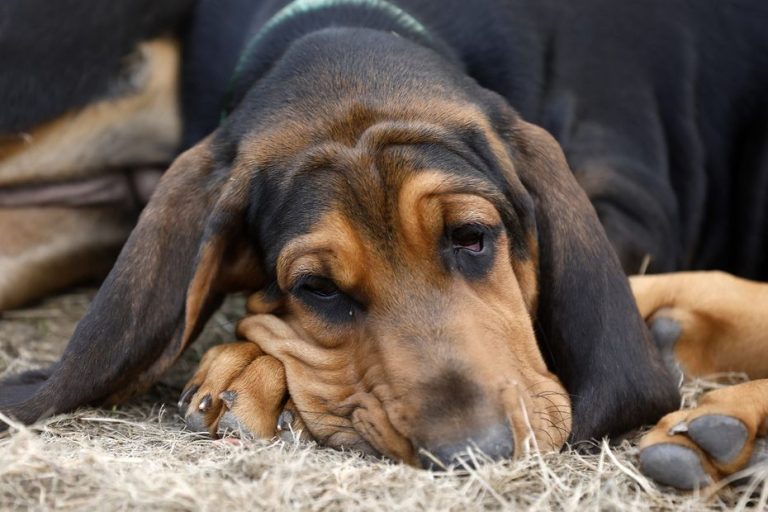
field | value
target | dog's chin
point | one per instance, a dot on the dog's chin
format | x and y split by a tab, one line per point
359	445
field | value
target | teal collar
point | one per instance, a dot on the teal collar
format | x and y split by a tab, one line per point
301	7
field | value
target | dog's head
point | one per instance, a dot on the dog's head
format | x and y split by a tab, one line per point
445	280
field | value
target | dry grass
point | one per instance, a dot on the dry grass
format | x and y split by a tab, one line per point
139	457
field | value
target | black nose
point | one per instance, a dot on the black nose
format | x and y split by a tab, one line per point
495	442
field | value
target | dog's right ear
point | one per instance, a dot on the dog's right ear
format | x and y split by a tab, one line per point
187	250
587	320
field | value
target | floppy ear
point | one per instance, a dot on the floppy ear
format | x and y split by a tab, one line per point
587	321
170	275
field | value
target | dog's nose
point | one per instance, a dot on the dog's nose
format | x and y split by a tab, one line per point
495	442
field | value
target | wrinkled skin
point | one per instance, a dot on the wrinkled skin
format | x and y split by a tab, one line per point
423	357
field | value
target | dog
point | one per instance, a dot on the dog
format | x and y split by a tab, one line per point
90	119
431	273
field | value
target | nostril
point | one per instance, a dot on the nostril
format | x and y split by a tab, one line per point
495	442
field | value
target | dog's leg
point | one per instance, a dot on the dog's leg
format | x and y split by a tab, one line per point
239	388
46	249
705	323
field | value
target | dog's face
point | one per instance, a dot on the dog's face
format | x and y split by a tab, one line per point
433	258
412	286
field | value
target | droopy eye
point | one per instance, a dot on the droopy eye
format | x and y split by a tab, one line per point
467	238
322	296
321	287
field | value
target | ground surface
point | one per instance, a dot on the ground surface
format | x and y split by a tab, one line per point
138	456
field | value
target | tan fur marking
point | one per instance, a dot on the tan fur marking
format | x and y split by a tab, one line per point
723	319
44	250
132	130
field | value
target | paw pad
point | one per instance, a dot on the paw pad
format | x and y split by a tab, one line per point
196	423
760	454
285	421
722	437
229	424
674	465
665	332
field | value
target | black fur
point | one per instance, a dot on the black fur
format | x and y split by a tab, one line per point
61	55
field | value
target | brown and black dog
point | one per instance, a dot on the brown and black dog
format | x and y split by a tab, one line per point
430	275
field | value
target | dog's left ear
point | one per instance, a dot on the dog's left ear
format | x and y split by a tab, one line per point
587	322
188	249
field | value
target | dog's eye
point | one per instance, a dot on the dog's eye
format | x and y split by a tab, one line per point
320	287
467	238
470	249
321	295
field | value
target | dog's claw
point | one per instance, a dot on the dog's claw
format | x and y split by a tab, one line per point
680	428
205	403
228	397
285	421
186	395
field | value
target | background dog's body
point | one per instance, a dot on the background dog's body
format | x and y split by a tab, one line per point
89	117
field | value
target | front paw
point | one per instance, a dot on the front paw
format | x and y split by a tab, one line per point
725	434
238	388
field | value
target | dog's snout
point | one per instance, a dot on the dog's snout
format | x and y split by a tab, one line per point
495	442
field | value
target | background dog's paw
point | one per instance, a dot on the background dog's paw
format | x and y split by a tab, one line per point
694	448
236	389
705	323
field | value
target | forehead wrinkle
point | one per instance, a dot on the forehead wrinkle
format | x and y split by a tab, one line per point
332	241
366	178
387	133
419	224
384	135
450	183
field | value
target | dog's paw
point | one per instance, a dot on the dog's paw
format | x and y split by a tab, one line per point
705	323
695	448
239	389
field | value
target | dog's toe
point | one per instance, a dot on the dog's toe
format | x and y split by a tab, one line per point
229	424
722	437
237	389
674	465
665	332
195	422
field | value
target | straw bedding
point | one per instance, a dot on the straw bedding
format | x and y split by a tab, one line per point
138	456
